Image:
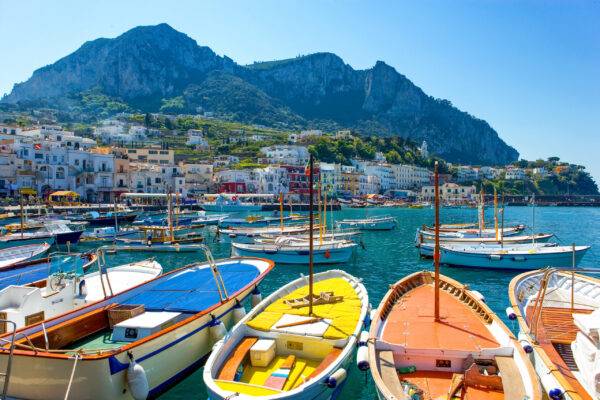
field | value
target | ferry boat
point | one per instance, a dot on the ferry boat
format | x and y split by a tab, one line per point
558	315
135	344
282	349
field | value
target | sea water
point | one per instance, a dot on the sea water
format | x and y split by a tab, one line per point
390	255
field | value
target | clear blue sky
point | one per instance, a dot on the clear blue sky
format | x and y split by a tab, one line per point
531	69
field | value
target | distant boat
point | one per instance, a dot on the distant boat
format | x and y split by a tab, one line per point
251	221
26	238
244	234
210	219
19	254
280	351
518	256
286	251
379	223
60	292
428	233
159	248
230	204
94	218
108	233
558	313
135	344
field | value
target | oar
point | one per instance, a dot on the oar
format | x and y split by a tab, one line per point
297	323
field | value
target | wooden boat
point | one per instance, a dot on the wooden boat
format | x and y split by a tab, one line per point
155	235
20	254
280	350
297	252
516	256
26	238
382	223
339	235
471	233
62	292
426	247
159	248
467	354
557	312
247	234
453	347
252	221
108	233
37	270
135	344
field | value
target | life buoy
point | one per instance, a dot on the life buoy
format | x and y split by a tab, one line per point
234	198
327	254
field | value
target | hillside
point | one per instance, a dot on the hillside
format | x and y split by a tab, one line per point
156	68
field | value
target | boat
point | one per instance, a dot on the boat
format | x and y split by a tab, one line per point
386	222
19	254
339	235
62	292
428	232
467	354
94	218
159	248
26	238
108	233
516	256
213	219
252	221
280	350
558	320
426	247
434	338
35	271
230	203
135	344
294	251
247	235
153	235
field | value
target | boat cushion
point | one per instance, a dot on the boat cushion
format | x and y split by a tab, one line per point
344	315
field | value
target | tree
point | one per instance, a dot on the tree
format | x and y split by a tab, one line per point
393	157
148	120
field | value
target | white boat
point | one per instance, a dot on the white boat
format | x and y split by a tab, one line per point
108	233
337	235
247	235
466	353
18	254
26	238
518	256
210	219
62	292
297	252
426	248
230	203
135	344
428	234
280	351
559	320
538	237
160	248
382	223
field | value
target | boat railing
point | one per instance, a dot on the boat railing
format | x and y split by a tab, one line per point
223	295
6	374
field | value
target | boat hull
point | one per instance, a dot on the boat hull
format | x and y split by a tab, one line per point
231	207
25	241
331	256
68	237
524	261
384	225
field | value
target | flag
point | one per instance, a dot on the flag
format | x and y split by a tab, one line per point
37	146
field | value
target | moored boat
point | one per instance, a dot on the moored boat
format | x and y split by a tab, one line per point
559	318
284	350
135	344
247	234
19	254
386	222
426	248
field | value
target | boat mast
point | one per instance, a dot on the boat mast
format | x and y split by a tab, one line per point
170	215
496	213
502	225
319	208
21	207
310	235
533	220
436	253
324	213
281	211
116	219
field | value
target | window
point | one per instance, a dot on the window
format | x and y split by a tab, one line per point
157	180
152	152
39	156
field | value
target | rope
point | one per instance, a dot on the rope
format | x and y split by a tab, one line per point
72	376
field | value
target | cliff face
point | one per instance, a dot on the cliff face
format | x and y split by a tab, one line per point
148	64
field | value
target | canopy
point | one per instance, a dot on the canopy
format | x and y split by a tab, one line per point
64	193
149	195
28	191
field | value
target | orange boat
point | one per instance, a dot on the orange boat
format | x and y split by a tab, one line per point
433	338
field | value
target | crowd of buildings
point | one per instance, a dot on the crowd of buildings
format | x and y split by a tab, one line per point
43	159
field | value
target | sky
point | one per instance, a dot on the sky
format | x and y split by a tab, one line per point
531	69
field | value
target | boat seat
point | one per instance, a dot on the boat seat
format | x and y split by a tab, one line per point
389	375
329	358
237	357
512	382
588	324
474	378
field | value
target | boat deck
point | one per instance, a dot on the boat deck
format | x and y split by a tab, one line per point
435	384
411	323
556	330
38	270
100	341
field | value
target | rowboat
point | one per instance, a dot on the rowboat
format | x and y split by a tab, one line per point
34	271
538	237
26	238
382	223
247	235
159	247
135	344
426	248
297	252
19	254
280	350
252	221
557	312
62	292
471	233
516	256
468	353
108	233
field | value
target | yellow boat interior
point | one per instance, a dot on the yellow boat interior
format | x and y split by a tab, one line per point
282	347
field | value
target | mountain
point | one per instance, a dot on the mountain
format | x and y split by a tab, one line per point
154	67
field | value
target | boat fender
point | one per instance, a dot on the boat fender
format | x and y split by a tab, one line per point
362	358
83	288
137	380
239	312
335	379
478	295
527	347
556	394
372	315
363	339
256	297
510	313
217	329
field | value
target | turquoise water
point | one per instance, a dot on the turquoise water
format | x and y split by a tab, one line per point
390	255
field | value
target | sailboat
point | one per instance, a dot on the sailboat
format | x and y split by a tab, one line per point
558	311
135	344
297	343
453	347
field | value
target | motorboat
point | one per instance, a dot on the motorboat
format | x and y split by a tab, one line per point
20	254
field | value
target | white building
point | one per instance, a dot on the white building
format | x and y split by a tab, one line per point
424	150
10	130
467	174
450	192
286	154
273	180
225	161
310	133
198	177
541	172
489	172
411	176
369	184
331	176
56	134
514	173
196	138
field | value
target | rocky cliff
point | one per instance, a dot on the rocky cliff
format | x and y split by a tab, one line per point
149	64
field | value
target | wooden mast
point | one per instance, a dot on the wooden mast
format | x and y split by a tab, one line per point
310	235
21	207
496	213
502	225
281	211
436	253
170	215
